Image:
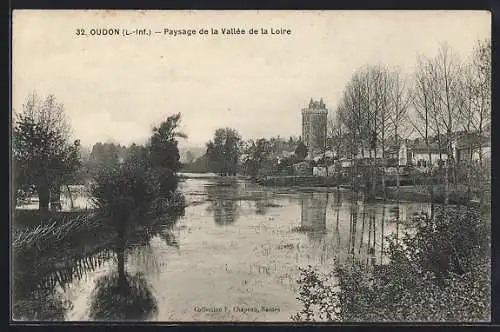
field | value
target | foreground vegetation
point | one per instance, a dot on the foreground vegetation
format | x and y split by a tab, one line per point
132	204
439	272
133	199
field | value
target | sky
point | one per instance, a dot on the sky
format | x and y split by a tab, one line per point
116	88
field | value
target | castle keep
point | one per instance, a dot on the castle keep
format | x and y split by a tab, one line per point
314	120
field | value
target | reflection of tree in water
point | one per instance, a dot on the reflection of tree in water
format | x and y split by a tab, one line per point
44	303
263	201
40	280
353	220
336	204
313	212
223	198
313	215
119	295
123	296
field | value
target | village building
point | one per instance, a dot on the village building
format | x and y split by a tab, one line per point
473	147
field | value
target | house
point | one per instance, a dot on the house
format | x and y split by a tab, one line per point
323	171
302	168
422	155
398	155
472	146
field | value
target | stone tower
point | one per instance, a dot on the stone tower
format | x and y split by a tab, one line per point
314	120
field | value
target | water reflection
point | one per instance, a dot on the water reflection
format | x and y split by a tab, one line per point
121	296
263	202
313	215
123	274
313	212
223	198
44	303
41	282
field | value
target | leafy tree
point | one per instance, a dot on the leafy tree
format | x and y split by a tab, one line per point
301	151
137	155
163	147
43	154
189	157
224	151
104	154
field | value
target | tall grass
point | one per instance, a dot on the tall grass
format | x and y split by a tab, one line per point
44	236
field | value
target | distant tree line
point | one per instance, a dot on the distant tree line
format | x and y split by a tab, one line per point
228	154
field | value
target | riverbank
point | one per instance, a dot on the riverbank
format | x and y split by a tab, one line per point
334	180
297	181
33	229
421	193
406	191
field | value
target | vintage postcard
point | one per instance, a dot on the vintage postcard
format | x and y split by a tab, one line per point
251	166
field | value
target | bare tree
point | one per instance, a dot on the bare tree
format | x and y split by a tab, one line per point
475	108
438	97
398	110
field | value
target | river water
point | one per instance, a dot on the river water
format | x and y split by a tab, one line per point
233	256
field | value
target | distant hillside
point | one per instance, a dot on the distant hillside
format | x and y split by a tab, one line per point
197	166
195	152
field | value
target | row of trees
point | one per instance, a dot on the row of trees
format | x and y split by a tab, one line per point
224	150
380	106
228	154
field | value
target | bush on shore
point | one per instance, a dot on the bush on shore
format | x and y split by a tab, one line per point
440	273
126	192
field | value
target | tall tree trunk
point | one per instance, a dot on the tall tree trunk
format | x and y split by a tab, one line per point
70	197
382	235
120	253
373	160
121	267
362	230
469	180
43	197
446	182
397	163
384	163
338	215
368	247
354	225
430	178
374	239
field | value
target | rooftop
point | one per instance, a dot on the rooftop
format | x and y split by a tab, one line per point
316	105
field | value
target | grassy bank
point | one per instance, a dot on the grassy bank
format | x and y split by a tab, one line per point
22	219
39	231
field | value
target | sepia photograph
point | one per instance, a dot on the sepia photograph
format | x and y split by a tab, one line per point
283	166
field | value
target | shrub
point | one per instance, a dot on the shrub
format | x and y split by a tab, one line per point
123	191
131	192
452	241
439	272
